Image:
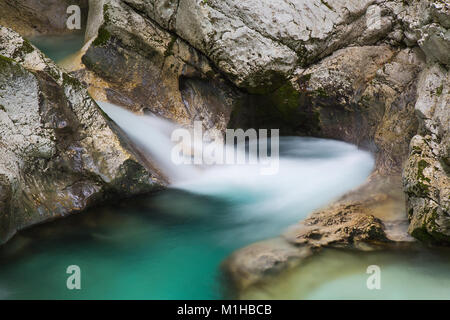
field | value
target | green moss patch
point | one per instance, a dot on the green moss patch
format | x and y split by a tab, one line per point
102	37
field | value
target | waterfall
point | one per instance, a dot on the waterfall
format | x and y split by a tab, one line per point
153	135
311	171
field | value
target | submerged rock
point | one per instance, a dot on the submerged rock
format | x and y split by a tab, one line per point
369	218
59	153
256	262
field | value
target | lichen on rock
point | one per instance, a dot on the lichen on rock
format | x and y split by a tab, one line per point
426	174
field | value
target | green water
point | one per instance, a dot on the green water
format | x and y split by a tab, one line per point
170	245
415	273
58	48
138	251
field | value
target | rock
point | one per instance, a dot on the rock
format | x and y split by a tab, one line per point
366	96
60	153
161	72
45	17
256	262
435	42
340	225
370	216
426	24
426	175
362	95
258	44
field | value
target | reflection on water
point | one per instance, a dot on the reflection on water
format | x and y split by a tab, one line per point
337	274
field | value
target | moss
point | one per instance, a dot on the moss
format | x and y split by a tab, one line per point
106	17
416	150
169	49
439	90
54	74
286	99
102	37
26	48
285	108
8	63
69	80
428	231
5	60
421	165
422	235
306	77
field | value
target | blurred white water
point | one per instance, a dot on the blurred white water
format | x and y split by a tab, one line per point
312	172
153	135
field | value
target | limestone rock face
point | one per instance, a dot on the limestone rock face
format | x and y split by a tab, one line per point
426	23
427	174
135	63
364	95
257	44
59	152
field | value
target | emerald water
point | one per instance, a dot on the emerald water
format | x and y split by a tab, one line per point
170	245
416	273
58	48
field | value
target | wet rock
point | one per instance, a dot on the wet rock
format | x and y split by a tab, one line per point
372	217
254	263
60	153
340	225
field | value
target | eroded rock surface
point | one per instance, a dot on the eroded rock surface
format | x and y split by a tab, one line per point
372	217
135	63
257	44
427	174
60	153
249	265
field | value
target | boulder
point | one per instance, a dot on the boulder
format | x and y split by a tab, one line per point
262	260
135	63
258	44
60	152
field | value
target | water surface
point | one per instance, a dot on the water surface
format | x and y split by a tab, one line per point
170	245
416	273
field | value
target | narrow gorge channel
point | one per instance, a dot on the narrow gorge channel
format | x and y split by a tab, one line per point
171	245
362	180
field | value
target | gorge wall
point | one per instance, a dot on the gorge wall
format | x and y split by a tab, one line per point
59	153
